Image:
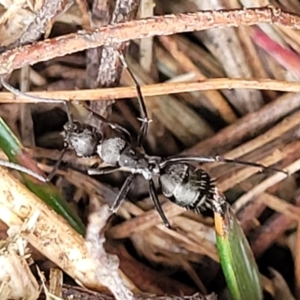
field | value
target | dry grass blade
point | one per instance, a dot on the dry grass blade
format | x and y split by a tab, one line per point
219	102
51	234
156	90
16	278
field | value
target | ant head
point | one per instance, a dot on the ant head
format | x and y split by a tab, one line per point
82	138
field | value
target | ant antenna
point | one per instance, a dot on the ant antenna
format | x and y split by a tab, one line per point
67	106
37	99
13	166
114	126
43	100
144	116
183	159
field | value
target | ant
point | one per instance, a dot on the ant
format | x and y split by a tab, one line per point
180	182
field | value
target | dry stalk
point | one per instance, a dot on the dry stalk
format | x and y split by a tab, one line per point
156	90
52	236
161	25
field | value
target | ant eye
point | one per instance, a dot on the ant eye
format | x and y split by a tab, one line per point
66	144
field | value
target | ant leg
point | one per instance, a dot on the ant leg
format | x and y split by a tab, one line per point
13	166
122	193
104	170
57	164
187	159
143	110
157	205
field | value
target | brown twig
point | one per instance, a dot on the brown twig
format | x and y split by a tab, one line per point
44	18
277	131
267	234
161	25
103	67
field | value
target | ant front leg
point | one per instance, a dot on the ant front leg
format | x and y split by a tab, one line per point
143	110
104	170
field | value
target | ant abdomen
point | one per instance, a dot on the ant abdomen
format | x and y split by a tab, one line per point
187	186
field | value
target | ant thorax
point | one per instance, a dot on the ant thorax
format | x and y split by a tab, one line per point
110	150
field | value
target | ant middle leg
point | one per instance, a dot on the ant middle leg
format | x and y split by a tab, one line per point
122	194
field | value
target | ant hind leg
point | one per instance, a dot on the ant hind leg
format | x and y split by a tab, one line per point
157	205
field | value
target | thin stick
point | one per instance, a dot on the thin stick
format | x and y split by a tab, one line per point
152	90
137	29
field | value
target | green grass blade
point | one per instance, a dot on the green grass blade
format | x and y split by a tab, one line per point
45	191
236	258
